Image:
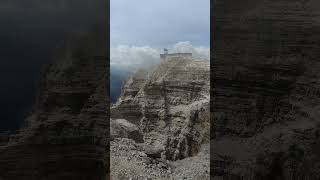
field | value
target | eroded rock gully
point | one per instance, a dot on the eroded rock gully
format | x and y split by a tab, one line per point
265	102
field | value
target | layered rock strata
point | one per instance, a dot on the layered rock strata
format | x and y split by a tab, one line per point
170	105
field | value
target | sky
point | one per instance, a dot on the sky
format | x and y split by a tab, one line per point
139	30
159	23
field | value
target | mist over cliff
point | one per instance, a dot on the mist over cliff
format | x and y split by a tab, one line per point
128	59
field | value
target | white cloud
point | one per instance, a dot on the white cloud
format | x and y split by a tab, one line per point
186	47
133	57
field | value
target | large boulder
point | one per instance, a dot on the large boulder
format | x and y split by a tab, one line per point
121	128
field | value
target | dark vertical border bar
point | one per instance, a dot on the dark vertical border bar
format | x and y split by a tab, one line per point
265	90
107	83
66	135
212	58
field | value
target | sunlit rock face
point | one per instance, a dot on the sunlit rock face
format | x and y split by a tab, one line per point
170	104
266	91
66	135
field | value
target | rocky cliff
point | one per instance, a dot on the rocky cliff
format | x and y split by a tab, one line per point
265	103
65	137
170	106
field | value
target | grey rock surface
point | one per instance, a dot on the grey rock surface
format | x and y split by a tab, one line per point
129	161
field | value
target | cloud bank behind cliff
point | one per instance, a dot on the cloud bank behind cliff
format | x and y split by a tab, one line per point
134	57
127	59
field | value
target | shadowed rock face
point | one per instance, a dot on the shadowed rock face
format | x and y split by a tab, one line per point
265	102
66	135
170	105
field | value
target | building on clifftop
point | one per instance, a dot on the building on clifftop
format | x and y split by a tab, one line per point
165	56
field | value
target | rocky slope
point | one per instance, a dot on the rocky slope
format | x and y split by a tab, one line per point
130	160
170	106
65	137
265	101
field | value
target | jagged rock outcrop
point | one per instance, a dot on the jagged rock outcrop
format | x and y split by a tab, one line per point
66	135
170	104
265	100
127	109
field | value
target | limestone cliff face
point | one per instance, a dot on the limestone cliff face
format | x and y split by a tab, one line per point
265	101
170	104
65	136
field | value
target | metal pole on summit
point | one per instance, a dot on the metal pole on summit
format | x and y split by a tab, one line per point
165	51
